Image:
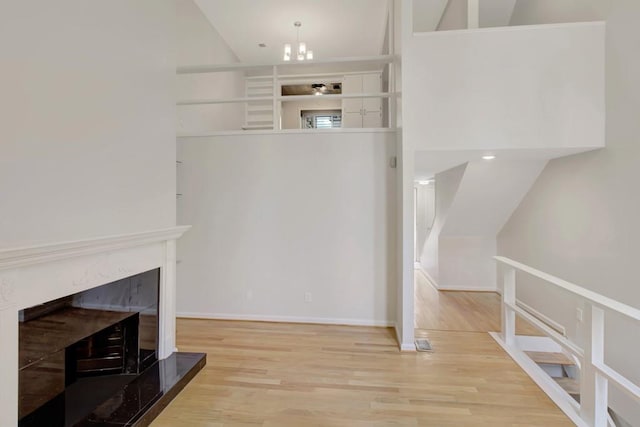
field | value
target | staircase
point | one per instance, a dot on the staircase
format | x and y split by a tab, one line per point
561	368
555	360
564	372
259	114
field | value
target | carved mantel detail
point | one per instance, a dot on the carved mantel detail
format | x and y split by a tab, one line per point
7	291
102	270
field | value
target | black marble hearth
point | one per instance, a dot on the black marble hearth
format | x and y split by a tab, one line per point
140	401
122	400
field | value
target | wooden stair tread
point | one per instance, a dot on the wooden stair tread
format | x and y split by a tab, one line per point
569	385
550	358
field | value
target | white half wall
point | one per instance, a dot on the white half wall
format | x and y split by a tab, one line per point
198	43
522	87
279	219
87	119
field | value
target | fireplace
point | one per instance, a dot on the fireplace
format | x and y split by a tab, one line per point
90	325
85	344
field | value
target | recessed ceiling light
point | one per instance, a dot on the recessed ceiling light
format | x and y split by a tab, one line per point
488	157
424	182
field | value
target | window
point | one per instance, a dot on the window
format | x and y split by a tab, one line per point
318	119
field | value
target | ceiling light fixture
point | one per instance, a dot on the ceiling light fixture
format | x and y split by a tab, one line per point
319	88
488	157
301	53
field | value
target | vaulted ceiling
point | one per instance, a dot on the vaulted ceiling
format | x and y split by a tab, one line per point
331	28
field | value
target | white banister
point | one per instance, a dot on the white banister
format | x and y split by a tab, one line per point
263	111
595	374
275	114
601	300
593	386
508	302
547	330
238	66
289	98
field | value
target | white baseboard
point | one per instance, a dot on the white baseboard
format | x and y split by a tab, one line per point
285	319
455	288
428	277
468	288
403	345
408	347
544	381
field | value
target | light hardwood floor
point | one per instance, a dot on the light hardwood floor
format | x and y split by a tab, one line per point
460	311
270	374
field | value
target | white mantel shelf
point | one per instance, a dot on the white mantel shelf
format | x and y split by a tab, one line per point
37	274
30	255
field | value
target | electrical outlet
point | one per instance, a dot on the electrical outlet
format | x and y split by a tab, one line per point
579	314
308	297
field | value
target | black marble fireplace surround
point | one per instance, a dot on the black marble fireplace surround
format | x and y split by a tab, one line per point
90	359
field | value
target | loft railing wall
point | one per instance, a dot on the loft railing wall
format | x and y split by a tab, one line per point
263	100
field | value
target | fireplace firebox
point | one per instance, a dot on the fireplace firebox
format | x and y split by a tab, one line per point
82	357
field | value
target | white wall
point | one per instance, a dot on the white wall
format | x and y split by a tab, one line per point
427	14
527	12
580	220
513	87
402	16
446	187
496	13
488	194
473	203
425	213
465	263
291	110
87	119
276	216
454	16
198	43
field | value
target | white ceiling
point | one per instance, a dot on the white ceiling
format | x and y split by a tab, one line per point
331	28
429	163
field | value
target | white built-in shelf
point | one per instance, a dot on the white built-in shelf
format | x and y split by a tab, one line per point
285	98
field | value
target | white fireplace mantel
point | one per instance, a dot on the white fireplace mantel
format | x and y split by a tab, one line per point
37	274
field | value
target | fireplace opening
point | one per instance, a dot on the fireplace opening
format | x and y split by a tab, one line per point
78	351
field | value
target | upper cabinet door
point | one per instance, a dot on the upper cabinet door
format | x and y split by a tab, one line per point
350	85
372	83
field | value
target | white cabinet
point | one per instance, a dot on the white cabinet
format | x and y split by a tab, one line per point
362	112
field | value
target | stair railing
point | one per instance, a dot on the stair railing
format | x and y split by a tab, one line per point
595	374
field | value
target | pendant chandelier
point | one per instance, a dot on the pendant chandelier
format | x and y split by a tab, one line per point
301	47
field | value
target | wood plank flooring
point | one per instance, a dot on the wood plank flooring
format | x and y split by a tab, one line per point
276	374
460	311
